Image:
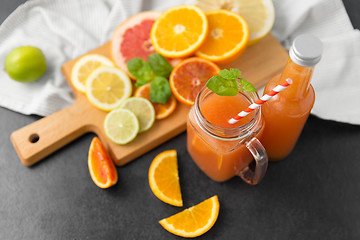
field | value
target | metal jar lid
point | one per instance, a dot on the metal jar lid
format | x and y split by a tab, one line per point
306	50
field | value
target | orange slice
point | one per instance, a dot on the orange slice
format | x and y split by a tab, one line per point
194	221
189	76
179	31
259	14
161	110
101	167
227	39
164	178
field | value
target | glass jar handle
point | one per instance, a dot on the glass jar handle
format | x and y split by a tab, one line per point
253	175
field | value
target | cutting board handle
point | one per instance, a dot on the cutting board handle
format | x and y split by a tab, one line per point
43	137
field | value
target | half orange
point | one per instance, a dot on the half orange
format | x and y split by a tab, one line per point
227	38
189	77
101	167
194	221
164	178
161	110
179	31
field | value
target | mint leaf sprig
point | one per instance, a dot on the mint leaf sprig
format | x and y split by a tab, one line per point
157	71
141	70
160	65
160	90
228	83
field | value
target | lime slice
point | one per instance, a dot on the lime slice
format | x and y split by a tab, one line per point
143	109
121	126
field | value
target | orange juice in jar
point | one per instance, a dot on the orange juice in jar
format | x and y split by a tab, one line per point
222	150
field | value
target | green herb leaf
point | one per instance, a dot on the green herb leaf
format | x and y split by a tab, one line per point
160	90
226	74
160	65
233	73
140	69
247	86
139	82
227	83
223	87
236	72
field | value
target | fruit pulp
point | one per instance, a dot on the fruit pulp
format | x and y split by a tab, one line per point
189	77
286	113
138	36
220	159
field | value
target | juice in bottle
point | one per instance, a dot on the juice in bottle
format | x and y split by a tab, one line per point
218	148
286	113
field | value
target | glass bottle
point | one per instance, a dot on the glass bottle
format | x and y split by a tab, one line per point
286	113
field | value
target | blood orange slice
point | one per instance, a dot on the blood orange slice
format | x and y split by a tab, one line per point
161	110
101	167
132	39
189	76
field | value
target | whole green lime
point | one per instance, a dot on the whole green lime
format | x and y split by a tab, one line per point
25	64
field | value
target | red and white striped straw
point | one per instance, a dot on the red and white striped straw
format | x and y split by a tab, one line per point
261	101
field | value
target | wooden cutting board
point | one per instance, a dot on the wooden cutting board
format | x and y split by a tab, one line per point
34	142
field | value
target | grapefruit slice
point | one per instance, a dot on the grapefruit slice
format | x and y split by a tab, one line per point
132	39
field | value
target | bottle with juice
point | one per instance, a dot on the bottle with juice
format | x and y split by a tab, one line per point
222	150
286	113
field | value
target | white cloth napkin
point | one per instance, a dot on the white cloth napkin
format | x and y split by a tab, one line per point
336	76
65	29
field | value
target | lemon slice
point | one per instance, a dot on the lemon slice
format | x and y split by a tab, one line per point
259	14
108	87
84	66
143	110
121	126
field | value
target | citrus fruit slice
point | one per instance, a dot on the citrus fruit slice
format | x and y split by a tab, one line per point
84	66
259	14
143	110
121	126
132	39
25	64
108	87
194	221
164	178
227	39
179	31
101	167
189	76
161	110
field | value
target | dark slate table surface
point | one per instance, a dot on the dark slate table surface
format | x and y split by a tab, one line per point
313	194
